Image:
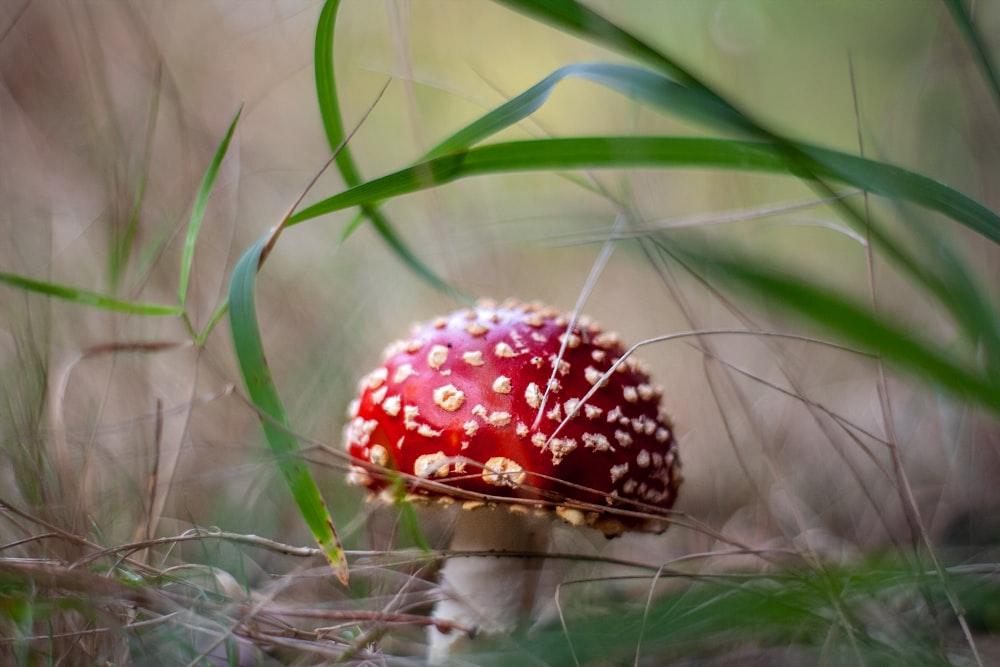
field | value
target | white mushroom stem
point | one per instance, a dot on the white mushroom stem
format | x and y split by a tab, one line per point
488	593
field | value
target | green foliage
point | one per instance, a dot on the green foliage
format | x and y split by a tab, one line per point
198	211
263	393
87	298
329	108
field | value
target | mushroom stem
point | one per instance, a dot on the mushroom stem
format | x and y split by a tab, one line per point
491	594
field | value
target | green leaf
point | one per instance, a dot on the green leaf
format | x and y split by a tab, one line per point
326	92
87	298
848	320
662	152
198	210
572	17
645	86
333	125
264	395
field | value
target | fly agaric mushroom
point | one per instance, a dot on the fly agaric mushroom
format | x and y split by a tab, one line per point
496	407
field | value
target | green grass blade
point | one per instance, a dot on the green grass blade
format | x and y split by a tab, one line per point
326	92
333	125
572	17
198	210
648	87
849	321
665	153
216	317
87	298
264	394
891	181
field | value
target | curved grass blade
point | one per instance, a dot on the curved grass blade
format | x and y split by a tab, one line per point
87	298
572	17
198	210
891	181
264	394
850	321
648	87
333	125
666	153
326	92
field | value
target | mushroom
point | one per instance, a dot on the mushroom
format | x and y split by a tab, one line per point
516	415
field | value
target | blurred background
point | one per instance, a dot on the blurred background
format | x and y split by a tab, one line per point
110	113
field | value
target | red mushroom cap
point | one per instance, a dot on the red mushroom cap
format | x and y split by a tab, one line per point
462	403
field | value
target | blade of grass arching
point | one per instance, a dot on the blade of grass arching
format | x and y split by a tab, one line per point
975	41
333	125
198	210
326	92
895	182
645	86
264	395
572	17
848	320
87	298
666	153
